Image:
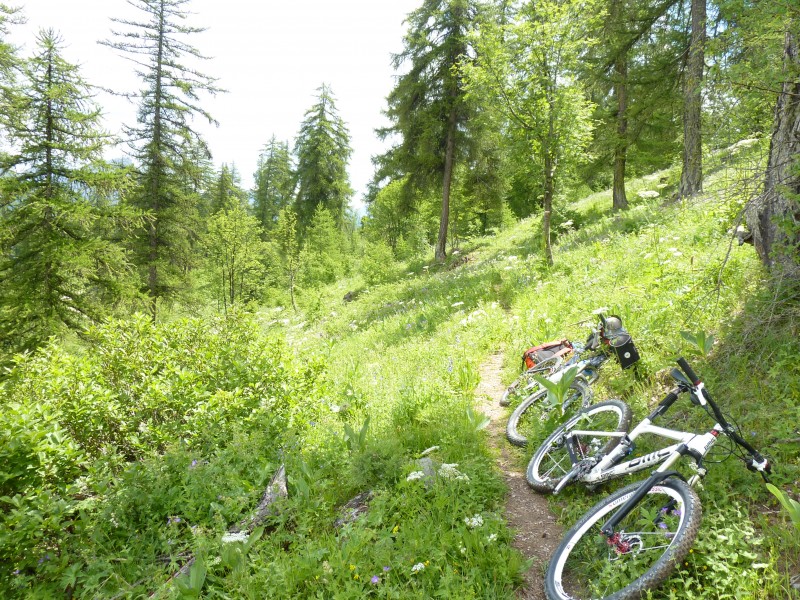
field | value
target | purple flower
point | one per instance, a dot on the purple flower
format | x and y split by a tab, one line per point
16	572
662	525
386	569
375	579
194	464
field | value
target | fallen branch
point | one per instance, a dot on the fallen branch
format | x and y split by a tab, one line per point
276	490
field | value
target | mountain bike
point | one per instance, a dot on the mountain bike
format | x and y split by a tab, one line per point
629	542
552	362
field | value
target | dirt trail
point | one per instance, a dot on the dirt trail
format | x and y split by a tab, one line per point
528	515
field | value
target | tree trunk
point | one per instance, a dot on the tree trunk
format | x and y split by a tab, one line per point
548	207
441	242
692	174
774	217
620	200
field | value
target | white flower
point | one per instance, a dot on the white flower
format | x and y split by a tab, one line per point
335	408
239	536
415	475
455	304
429	450
326	566
418	567
491	538
648	194
216	560
449	471
474	522
760	565
463	550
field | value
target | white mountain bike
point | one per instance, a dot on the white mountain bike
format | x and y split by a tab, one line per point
630	541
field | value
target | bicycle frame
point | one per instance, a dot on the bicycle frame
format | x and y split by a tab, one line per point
694	444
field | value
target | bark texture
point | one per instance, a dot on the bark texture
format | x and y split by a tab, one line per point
692	173
774	217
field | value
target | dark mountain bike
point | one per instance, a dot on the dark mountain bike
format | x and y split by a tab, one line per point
629	542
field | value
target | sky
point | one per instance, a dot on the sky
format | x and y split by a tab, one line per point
270	55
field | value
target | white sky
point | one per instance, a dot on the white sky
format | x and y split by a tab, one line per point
271	56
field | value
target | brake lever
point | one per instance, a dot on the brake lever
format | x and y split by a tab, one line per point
759	464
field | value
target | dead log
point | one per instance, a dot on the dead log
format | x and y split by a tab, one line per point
276	490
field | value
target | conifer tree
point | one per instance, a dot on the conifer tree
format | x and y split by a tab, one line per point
274	183
227	190
428	107
322	260
323	150
57	271
692	172
168	101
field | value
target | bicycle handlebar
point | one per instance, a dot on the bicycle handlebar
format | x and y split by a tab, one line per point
688	370
756	462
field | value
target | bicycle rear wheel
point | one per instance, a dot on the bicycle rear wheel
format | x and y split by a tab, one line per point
528	418
647	545
551	461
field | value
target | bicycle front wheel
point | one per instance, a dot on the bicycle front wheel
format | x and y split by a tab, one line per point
551	461
527	419
525	384
647	545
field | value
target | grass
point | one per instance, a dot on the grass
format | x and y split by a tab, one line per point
378	381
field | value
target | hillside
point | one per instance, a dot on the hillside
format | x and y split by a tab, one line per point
141	451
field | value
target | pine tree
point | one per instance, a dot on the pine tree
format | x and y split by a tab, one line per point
322	260
227	190
428	106
692	172
322	149
168	102
274	183
57	271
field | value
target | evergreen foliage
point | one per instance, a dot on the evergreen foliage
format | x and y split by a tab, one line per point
323	151
168	101
322	260
58	207
274	183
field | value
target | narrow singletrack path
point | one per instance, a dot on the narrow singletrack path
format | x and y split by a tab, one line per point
536	532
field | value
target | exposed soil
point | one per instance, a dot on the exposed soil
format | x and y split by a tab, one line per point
536	532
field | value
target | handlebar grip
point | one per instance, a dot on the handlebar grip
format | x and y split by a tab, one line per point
688	370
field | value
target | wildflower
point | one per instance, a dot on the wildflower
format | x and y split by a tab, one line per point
386	569
449	471
396	528
648	194
463	550
417	568
352	567
474	522
429	451
239	536
216	560
415	475
335	408
173	520
375	580
356	576
194	464
491	538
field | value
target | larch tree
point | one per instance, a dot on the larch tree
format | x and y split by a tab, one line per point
774	217
57	271
428	108
323	151
692	171
226	190
274	183
529	65
168	102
